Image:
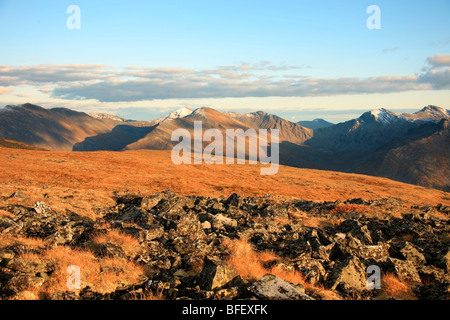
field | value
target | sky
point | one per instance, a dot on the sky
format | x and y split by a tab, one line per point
298	59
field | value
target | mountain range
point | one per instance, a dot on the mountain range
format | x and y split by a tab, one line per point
412	148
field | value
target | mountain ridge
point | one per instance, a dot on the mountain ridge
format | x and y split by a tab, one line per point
376	143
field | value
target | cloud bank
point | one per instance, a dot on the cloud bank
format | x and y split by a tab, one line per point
131	84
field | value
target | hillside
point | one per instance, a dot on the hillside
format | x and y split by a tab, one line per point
81	181
6	143
379	142
53	129
315	124
139	227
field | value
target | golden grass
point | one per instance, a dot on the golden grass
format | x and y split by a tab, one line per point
82	181
129	244
395	288
29	243
346	208
102	282
250	265
6	214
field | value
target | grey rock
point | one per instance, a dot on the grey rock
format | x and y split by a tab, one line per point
270	287
351	272
404	270
216	274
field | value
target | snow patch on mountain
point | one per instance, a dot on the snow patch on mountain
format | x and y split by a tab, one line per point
384	116
177	114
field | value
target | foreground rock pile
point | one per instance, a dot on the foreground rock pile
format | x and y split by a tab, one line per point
181	247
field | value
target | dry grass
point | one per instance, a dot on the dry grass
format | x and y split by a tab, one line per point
346	208
28	243
250	265
307	220
395	288
82	181
129	244
6	214
91	270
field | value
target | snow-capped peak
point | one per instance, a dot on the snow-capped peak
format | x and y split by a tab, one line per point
180	113
384	116
435	111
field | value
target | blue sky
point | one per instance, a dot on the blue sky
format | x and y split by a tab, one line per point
298	59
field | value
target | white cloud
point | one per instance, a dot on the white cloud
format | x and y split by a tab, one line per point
4	90
439	60
105	84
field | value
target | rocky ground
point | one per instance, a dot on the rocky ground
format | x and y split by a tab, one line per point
181	247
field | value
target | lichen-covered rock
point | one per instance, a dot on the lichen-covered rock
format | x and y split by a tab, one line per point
216	274
271	287
351	272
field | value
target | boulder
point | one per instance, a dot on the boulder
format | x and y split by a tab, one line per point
151	233
404	270
219	221
270	287
216	274
350	272
21	283
29	267
378	253
149	202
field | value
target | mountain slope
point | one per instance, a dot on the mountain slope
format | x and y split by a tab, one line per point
431	113
53	129
315	124
424	161
6	143
385	144
289	131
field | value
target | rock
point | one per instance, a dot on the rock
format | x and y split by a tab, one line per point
149	202
206	225
404	270
216	274
312	269
219	221
28	266
235	200
433	291
5	257
42	209
407	251
351	272
227	294
21	283
63	295
432	274
270	287
151	233
189	226
331	252
235	213
378	253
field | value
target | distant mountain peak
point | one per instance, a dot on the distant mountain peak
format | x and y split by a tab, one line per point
381	115
177	114
428	113
106	116
315	124
435	110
